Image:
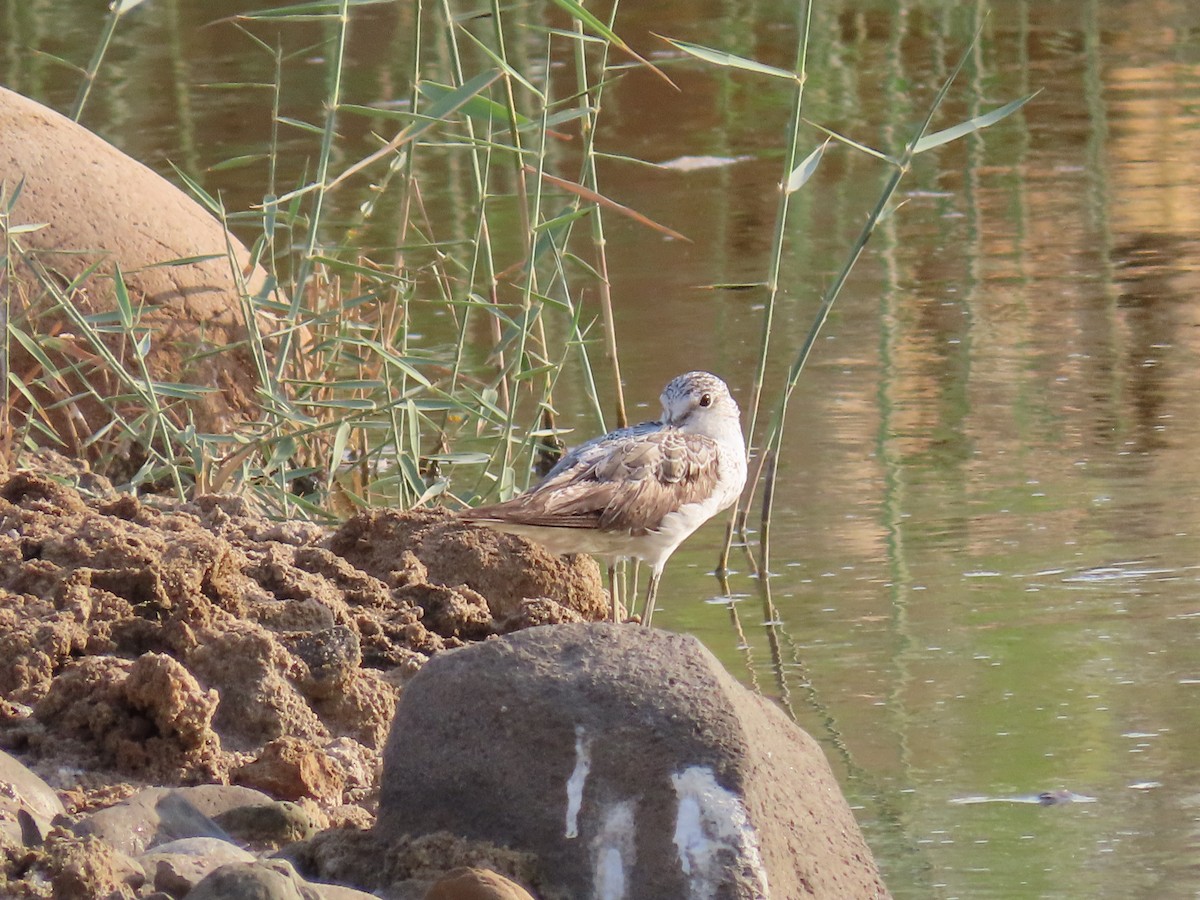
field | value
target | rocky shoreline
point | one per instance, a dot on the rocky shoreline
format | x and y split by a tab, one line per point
196	701
177	644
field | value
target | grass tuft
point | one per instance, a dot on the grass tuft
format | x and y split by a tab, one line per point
394	347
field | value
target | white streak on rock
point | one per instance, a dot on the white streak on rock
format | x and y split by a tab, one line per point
583	765
714	836
613	853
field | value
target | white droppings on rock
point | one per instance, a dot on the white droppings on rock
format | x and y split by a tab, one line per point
714	836
613	853
583	765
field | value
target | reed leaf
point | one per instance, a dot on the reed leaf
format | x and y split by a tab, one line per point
977	123
803	172
729	60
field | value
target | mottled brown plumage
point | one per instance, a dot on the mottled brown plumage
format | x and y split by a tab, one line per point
628	490
638	491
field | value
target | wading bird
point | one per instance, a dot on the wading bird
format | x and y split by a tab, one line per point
637	492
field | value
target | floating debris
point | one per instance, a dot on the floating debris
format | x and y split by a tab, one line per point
696	163
1045	798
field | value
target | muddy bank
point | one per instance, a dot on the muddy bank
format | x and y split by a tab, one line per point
188	643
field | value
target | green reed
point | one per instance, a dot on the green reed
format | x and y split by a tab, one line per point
793	177
352	409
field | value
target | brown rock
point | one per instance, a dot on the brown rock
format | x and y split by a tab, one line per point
251	670
539	611
451	612
293	639
289	769
148	717
405	867
83	868
476	884
102	208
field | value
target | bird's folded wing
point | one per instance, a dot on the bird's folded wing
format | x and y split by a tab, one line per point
589	451
629	488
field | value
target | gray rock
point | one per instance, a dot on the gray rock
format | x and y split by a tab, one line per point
629	761
21	789
251	881
267	826
178	866
332	656
339	892
268	880
178	816
137	824
207	847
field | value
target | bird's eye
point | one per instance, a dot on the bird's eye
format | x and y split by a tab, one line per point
706	399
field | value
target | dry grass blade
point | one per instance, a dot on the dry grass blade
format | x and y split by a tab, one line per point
577	12
593	197
978	123
803	172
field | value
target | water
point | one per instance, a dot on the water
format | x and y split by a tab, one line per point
983	549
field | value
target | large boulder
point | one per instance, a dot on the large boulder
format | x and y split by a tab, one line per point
100	208
156	815
629	762
22	790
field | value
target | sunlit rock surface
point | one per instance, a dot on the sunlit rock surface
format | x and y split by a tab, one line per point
629	762
97	207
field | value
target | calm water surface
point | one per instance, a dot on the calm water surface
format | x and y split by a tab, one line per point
984	568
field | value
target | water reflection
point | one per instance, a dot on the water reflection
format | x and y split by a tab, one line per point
984	545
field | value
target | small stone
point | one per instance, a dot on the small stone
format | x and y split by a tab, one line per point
138	823
267	827
23	791
332	656
476	884
289	769
249	881
178	866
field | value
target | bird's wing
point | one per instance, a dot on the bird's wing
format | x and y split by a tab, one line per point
628	484
589	451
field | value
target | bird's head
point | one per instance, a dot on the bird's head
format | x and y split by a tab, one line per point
699	402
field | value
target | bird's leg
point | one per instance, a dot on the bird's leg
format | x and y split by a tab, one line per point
612	588
651	595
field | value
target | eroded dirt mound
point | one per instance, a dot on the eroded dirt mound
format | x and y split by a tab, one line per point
202	641
477	561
